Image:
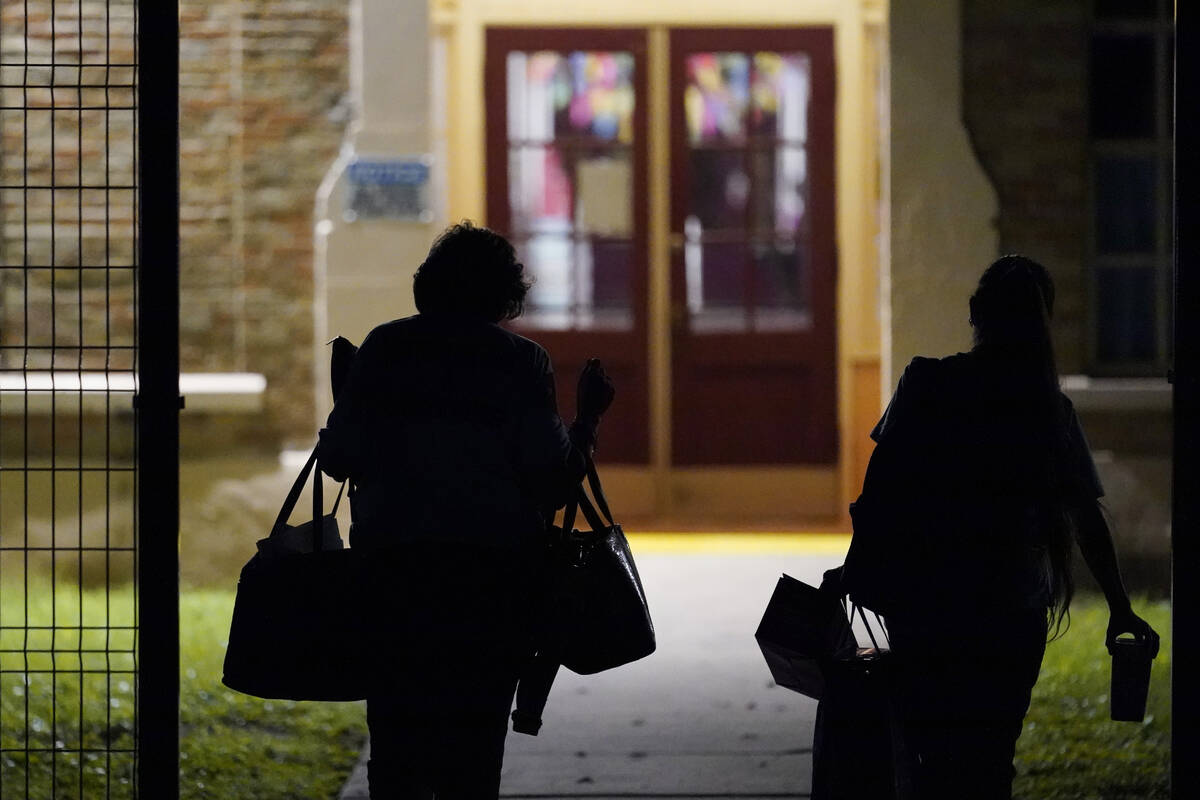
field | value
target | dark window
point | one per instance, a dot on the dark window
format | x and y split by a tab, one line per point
1130	128
1127	9
1125	306
1126	205
1123	87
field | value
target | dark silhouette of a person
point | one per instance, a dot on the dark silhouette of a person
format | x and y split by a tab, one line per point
980	480
448	428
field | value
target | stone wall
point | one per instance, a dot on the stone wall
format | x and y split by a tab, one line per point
263	88
1025	100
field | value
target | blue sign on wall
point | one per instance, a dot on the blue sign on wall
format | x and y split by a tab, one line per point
388	188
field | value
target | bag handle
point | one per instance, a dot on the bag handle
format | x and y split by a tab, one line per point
293	496
580	502
318	500
870	634
593	479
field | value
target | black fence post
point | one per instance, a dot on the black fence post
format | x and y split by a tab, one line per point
158	400
1185	527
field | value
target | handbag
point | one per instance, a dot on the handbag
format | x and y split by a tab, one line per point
292	636
858	742
596	616
801	628
600	616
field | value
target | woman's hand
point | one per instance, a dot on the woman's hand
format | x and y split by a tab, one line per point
595	392
1125	621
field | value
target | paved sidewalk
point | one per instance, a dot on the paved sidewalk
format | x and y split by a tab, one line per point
699	718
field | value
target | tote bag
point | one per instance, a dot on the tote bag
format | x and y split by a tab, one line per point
296	633
601	617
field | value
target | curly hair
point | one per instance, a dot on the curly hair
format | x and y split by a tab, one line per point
471	270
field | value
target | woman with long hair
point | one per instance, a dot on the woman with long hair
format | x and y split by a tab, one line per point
980	481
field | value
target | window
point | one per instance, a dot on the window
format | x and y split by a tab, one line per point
1129	166
570	171
746	242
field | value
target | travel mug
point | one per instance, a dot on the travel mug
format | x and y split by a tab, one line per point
1130	679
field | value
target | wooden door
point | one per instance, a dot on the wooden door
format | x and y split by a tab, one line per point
754	262
566	166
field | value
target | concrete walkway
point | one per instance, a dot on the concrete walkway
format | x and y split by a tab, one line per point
699	718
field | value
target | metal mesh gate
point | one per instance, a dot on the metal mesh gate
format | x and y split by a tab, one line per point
69	367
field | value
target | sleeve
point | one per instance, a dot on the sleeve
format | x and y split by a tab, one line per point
901	435
1082	478
903	409
551	465
345	440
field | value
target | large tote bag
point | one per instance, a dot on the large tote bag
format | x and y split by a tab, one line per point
601	617
297	632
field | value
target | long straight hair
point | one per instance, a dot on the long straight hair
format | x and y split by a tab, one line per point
1010	313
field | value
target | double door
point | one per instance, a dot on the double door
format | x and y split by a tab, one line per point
722	315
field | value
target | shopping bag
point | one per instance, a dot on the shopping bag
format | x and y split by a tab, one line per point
801	627
295	634
600	618
859	751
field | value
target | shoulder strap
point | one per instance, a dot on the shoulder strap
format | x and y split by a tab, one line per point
318	506
579	502
293	495
593	478
318	500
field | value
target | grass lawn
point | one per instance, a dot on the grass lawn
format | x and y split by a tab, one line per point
1070	748
233	746
243	748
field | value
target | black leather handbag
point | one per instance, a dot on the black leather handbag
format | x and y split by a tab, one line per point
297	632
602	619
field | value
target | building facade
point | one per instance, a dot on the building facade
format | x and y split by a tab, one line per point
755	214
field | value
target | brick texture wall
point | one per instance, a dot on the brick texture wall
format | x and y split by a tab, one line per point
66	172
1025	105
263	87
263	96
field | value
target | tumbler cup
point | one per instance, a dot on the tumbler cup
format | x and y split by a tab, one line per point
1130	679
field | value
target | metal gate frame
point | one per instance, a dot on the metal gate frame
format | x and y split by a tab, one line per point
158	400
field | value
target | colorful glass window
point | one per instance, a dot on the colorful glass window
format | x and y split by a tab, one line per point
746	242
570	136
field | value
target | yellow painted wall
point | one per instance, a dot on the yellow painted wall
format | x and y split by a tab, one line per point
860	58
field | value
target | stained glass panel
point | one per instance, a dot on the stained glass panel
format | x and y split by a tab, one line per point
745	240
570	128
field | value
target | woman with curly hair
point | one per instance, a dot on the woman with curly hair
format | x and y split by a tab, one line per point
448	428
